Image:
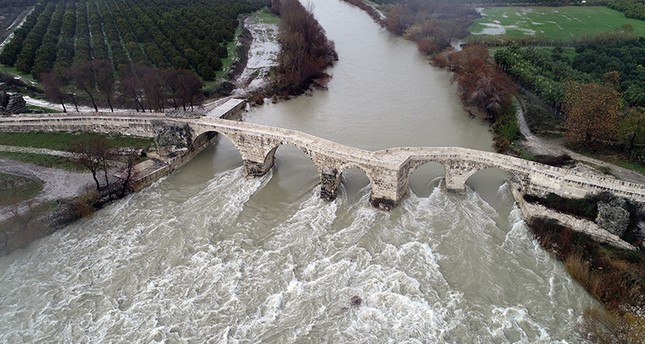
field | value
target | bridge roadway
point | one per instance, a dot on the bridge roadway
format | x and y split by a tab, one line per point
388	170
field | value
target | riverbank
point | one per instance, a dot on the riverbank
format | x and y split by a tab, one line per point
57	183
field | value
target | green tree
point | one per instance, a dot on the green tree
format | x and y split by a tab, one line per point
631	129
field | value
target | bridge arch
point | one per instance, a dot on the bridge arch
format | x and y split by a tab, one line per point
345	172
389	169
210	133
486	182
269	158
456	170
221	143
424	175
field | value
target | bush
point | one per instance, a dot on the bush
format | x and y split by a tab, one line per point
557	161
506	130
586	207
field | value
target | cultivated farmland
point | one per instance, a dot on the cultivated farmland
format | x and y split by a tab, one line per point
552	23
163	33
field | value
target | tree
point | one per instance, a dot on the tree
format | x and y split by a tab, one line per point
188	87
131	85
592	112
612	78
480	82
83	77
93	154
305	51
104	79
53	88
153	89
128	174
631	128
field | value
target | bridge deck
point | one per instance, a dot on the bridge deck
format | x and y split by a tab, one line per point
460	163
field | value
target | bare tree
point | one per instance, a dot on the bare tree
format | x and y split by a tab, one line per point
189	87
128	175
105	79
131	84
93	154
153	89
53	87
170	81
305	50
83	77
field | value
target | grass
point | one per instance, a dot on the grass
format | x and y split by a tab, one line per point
581	207
614	156
226	63
40	109
62	141
506	129
25	77
44	160
15	189
266	17
552	23
630	165
23	229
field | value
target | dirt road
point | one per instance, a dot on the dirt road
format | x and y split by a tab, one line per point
541	146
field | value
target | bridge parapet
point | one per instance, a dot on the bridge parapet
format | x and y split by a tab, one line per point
388	170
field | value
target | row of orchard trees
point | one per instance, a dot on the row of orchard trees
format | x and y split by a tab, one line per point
600	89
11	12
163	33
141	87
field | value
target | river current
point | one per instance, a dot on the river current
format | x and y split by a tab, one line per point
207	255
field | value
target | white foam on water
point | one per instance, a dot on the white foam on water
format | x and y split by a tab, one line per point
304	229
434	270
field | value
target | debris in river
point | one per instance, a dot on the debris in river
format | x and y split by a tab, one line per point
356	301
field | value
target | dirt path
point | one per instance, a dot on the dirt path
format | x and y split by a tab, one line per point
541	146
58	184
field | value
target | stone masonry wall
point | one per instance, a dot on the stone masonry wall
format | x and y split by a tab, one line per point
388	170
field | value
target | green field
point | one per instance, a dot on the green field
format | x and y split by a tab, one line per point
559	23
63	141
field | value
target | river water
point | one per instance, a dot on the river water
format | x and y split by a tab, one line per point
209	256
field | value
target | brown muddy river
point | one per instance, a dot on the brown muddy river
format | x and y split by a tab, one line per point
206	255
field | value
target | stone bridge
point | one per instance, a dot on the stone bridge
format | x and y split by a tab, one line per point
387	170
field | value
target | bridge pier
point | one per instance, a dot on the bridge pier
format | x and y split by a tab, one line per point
388	189
457	173
329	182
257	156
255	169
257	143
454	185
